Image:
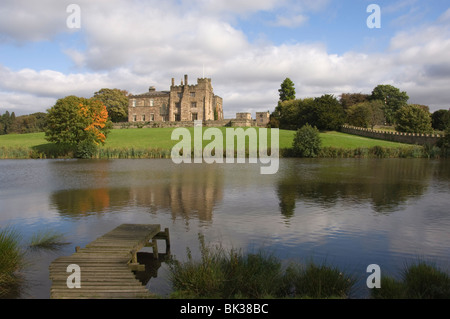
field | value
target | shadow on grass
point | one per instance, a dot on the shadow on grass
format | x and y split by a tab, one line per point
52	150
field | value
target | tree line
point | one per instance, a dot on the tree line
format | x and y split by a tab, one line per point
10	123
115	100
386	105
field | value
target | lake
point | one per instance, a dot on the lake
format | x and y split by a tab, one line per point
348	212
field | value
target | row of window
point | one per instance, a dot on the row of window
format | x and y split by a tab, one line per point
152	103
194	117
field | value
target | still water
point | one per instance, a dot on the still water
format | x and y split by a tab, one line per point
349	213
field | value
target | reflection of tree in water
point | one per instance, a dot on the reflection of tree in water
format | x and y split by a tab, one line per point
187	192
385	184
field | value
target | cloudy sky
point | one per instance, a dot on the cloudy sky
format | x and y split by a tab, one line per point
247	47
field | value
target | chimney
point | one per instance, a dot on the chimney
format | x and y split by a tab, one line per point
173	82
185	79
151	89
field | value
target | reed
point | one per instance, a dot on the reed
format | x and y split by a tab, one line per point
11	260
419	280
47	239
221	273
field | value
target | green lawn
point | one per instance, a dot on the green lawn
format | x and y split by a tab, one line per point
160	138
349	141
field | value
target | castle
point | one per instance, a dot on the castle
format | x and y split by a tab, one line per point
183	102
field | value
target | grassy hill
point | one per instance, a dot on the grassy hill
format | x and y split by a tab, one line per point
146	139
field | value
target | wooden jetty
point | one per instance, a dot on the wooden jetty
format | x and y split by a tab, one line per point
106	265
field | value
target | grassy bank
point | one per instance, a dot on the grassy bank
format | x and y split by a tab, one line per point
157	143
221	273
13	256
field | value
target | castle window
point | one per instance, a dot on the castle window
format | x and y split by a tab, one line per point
152	117
134	118
194	116
180	95
133	103
151	102
192	94
143	118
193	104
178	117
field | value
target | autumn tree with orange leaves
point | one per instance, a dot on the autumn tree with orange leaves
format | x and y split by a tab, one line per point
79	123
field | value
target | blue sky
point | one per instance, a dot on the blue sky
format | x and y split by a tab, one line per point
247	47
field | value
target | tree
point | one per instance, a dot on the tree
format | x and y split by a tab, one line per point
349	99
330	113
7	121
413	118
307	141
116	102
440	120
287	114
366	114
287	91
393	100
77	121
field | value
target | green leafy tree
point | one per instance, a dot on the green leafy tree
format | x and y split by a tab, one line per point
287	90
7	121
76	121
413	118
393	100
366	114
287	113
440	120
307	141
116	102
330	113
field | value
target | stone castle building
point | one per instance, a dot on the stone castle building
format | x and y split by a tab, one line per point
183	102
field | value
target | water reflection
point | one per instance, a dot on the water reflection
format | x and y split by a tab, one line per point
385	184
187	192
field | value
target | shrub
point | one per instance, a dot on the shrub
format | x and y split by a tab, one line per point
307	142
86	149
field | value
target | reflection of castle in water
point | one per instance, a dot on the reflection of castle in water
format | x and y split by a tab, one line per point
191	193
187	195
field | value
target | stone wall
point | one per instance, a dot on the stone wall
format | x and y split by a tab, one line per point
209	123
409	138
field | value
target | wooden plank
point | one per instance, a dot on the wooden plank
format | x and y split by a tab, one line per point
105	265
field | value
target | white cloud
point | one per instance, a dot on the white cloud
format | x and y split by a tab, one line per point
133	44
22	20
292	21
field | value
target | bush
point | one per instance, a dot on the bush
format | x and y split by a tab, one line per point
307	142
86	149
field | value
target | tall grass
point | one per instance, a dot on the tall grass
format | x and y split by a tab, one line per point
11	260
231	274
420	280
225	274
13	256
319	281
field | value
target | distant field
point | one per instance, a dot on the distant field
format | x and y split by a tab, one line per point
160	138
